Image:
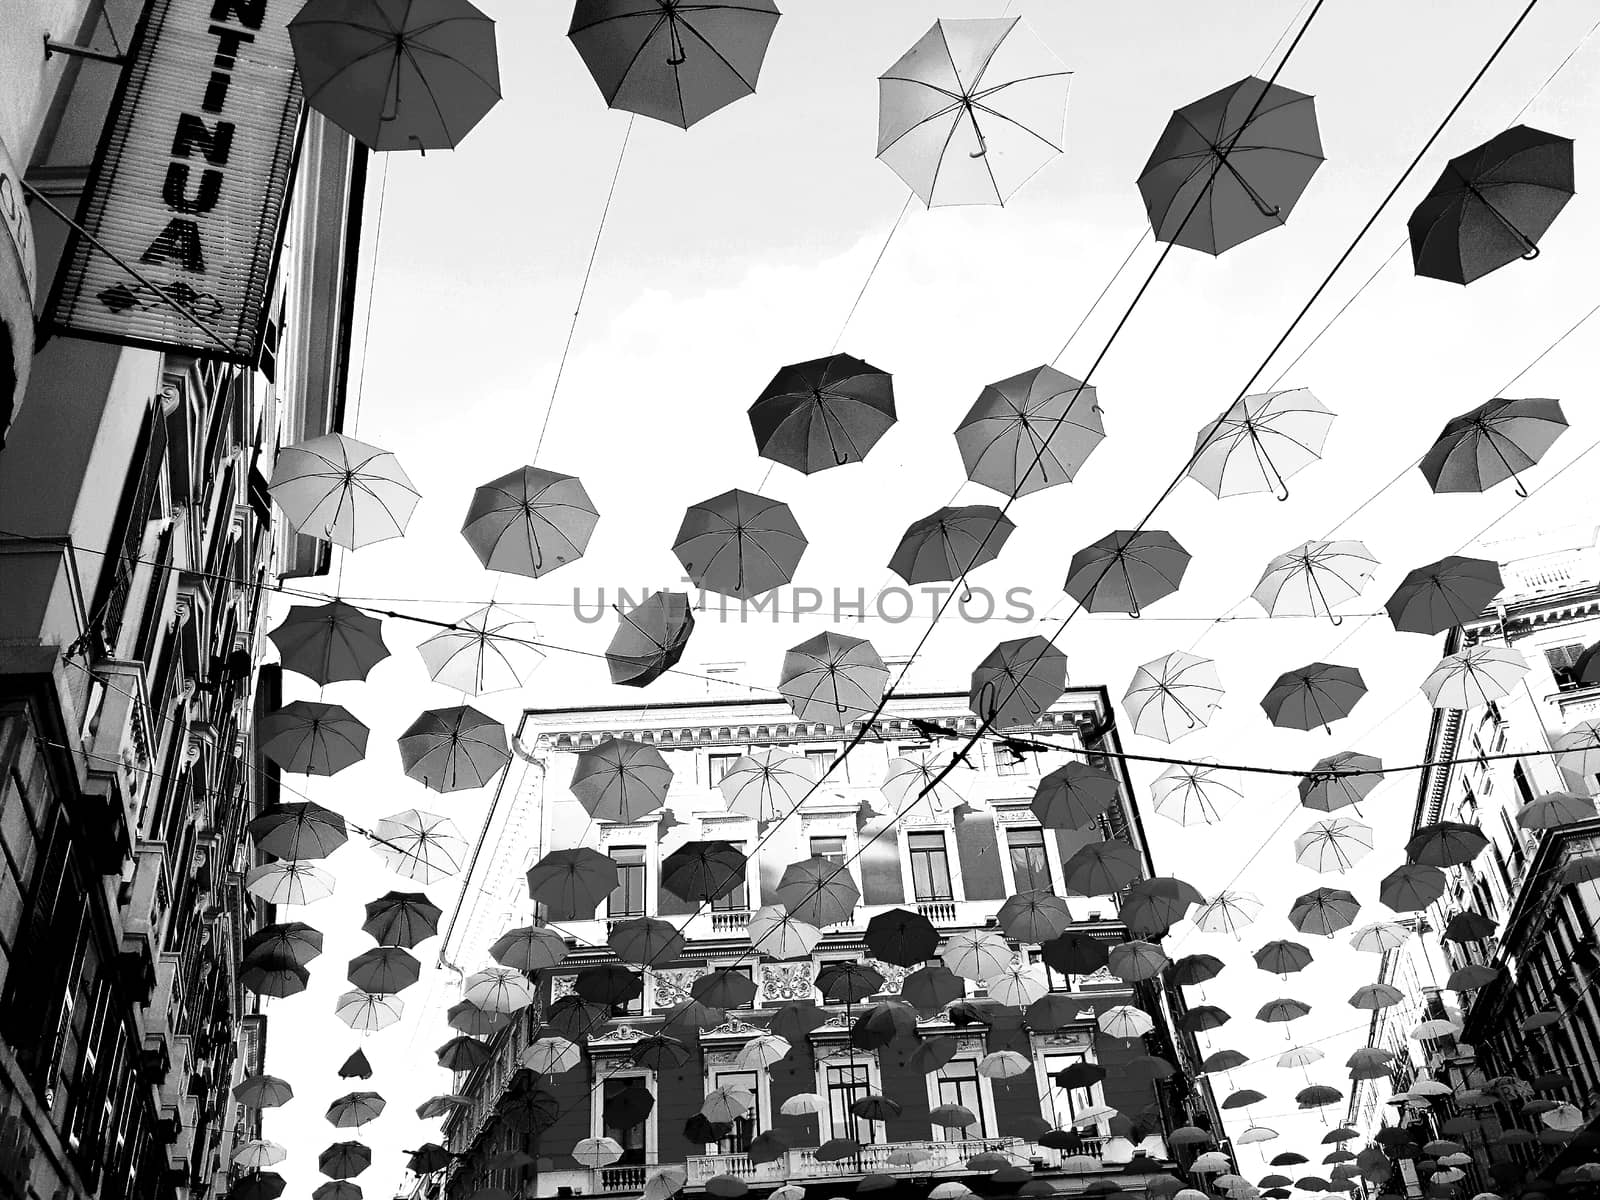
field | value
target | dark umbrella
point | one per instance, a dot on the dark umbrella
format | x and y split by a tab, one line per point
687	1019
1075	953
1194	969
873	1107
629	1107
1018	682
428	1158
837	1150
739	544
268	974
1435	598
823	413
356	1067
1073	795
724	988
847	982
1446	844
620	780
703	871
645	940
1030	432
258	1185
463	1054
817	891
930	988
530	522
1323	911
329	642
701	1130
336	1189
608	983
1316	694
297	831
658	1052
902	937
1051	1011
882	1024
402	919
451	749
671	61
571	883
1231	166
1492	443
947	544
1283	957
650	639
344	1159
1468	926
466	1017
1034	916
1491	205
575	1018
1204	1017
932	1054
1126	571
794	1021
1080	1075
293	939
386	969
767	1147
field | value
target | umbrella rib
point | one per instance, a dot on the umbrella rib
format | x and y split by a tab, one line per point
945	111
722	58
996	113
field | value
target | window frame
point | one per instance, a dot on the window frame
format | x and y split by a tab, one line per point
597	1104
1051	866
763	1110
985	1111
1043	1058
912	853
643	866
873	1085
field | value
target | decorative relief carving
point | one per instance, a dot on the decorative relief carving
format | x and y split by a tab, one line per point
672	987
562	985
1100	977
732	1027
720	1058
893	976
788	980
623	1034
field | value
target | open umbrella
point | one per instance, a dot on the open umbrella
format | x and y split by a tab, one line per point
529	948
1073	795
530	522
1315	577
1435	598
621	780
703	871
1136	960
1101	868
356	1067
1552	810
571	883
918	777
1231	165
293	939
329	642
1578	752
336	1189
1316	694
1259	442
739	544
1017	682
1155	904
1029	432
1228	912
1379	937
670	61
1492	443
1491	205
645	940
258	1185
1125	1021
945	545
848	981
368	1012
778	934
833	679
1282	957
1033	916
597	1152
650	639
768	783
483	652
342	491
976	955
258	1154
1474	677
817	891
1017	986
1446	844
342	1160
384	969
421	846
929	989
823	413
298	830
1173	695
1412	887
1126	571
1074	953
972	111
452	749
1195	794
309	738
402	919
1337	844
498	990
263	1091
902	937
398	75
1341	780
355	1110
288	881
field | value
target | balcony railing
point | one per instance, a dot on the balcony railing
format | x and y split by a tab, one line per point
622	1179
872	1159
940	912
729	920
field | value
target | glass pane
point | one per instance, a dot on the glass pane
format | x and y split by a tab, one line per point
830	848
739	898
633	1139
746	1127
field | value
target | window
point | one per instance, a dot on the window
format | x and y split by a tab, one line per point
846	1084
633	1139
821	760
718	765
930	865
1010	762
830	848
746	1127
1054	979
1062	1105
1562	660
957	1083
1519	776
737	900
1030	867
627	898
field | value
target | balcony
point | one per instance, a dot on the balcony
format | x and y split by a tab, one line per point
873	1159
728	921
621	1179
940	912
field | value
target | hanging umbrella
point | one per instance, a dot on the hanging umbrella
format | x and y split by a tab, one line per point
263	1091
482	652
421	846
1003	1064
724	988
309	738
1017	986
1074	953
259	1185
1492	443
297	831
342	491
1333	845
1468	926
1315	577
402	919
1474	677
258	1154
289	881
976	955
761	1052
1018	682
1435	598
1471	975
571	883
293	940
368	1012
929	989
384	969
530	522
1032	916
818	892
1446	844
1259	442
1195	794
1155	904
659	1052
575	1018
1282	1011
463	1054
1136	960
1202	1018
621	780
1101	868
608	984
1379	937
726	1104
1194	969
922	775
948	544
440	1106
768	784
1173	695
1316	694
777	934
356	1067
1283	957
1125	1021
1555	809
452	749
739	544
597	1152
972	111
329	642
1578	751
355	1110
833	679
1491	205
650	639
645	940
1073	795
1340	780
1126	571
823	413
848	982
703	871
672	62
1030	432
342	1160
336	1189
1412	887
902	938
1231	166
1228	912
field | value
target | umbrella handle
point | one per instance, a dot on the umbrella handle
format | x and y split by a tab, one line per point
1533	253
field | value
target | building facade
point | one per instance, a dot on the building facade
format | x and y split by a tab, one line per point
136	540
956	868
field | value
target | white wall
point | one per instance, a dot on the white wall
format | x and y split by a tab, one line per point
27	80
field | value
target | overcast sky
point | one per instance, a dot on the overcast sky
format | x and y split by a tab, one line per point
740	245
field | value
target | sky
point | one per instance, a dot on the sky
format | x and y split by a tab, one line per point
740	245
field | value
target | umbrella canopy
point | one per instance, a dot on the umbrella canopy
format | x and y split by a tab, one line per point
1341	780
289	882
402	919
650	639
1073	795
1153	905
833	679
484	651
972	111
676	63
1259	442
976	955
1491	205
1316	694
1101	868
929	989
1555	809
1468	926
1173	695
1018	682
1228	912
1195	794
1282	1011
703	871
1411	888
329	642
293	939
336	1189
368	1012
781	935
263	1091
530	522
1126	571
1074	953
762	1051
823	413
298	830
1135	960
848	981
342	1160
398	75
571	883
422	846
1379	936
356	1067
453	749
1125	1021
342	491
818	891
1446	844
309	738
596	1152
645	940
355	1109
1435	598
1333	845
922	775
1231	166
1029	432
1314	578
1017	986
659	1052
1474	677
384	969
947	544
259	1185
1193	969
1578	752
739	544
621	780
767	784
1492	443
471	1020
1033	916
258	1154
902	937
1282	957
463	1054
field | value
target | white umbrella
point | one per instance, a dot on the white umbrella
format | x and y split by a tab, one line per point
368	1012
1379	937
1194	794
1228	912
1314	578
1473	678
550	1056
342	491
1578	753
1018	986
1126	1022
912	774
776	934
498	990
801	1104
1336	844
1259	442
289	881
420	845
597	1151
258	1154
489	650
1171	696
762	1051
1003	1064
767	783
976	955
727	1104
